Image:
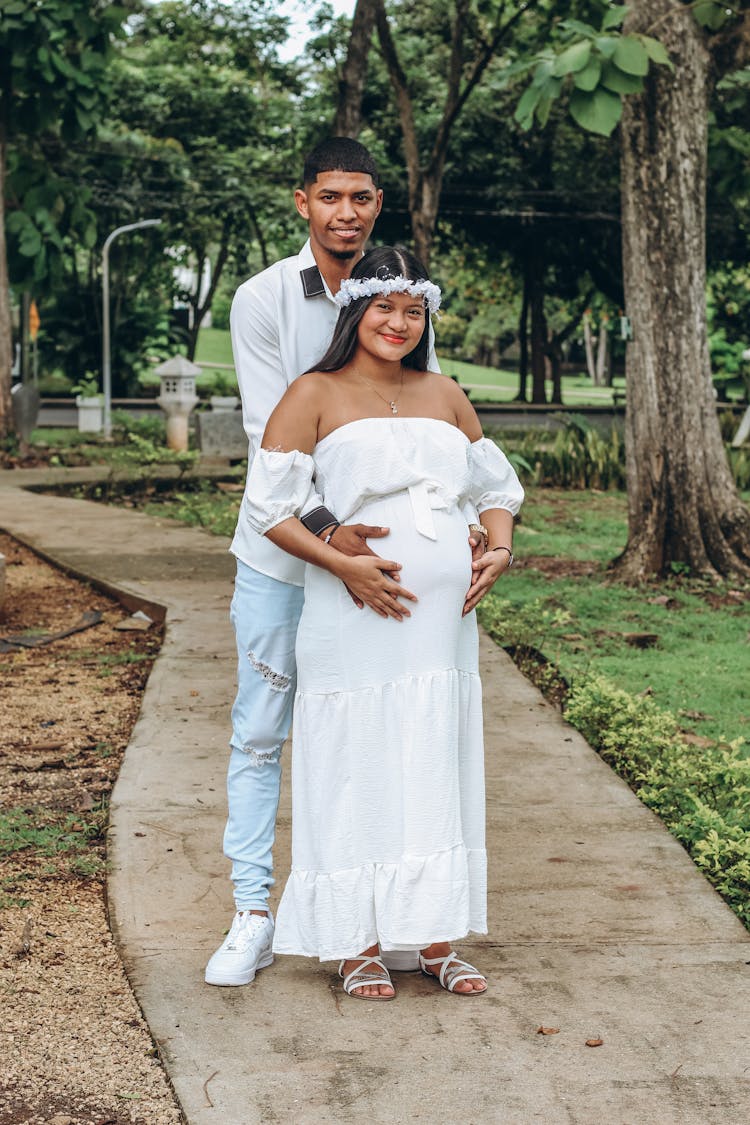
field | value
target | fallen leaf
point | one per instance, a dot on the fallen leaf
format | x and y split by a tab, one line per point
594	1042
547	1030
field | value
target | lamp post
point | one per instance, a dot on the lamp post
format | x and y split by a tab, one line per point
106	366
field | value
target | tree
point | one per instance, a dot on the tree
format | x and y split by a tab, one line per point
683	506
472	40
54	82
351	86
203	79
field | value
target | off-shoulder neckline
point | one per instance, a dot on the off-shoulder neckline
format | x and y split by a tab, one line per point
393	421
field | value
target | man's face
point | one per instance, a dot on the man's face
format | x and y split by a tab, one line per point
341	209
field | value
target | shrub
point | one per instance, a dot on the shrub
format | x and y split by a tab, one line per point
701	793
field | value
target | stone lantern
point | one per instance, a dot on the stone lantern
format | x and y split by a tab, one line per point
177	398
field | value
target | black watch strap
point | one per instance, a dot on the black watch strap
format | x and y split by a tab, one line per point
318	520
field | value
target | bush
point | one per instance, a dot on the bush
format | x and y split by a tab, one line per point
701	793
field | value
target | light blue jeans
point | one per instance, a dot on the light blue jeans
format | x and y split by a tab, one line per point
265	614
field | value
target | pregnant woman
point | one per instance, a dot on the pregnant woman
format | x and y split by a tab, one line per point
388	848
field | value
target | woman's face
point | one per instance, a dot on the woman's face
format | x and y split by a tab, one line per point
392	325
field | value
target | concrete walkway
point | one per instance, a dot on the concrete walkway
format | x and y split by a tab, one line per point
600	925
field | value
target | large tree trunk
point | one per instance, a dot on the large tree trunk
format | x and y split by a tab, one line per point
351	87
683	506
6	331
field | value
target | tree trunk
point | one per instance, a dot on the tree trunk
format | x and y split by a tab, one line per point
683	506
523	342
602	354
538	333
589	345
349	111
6	331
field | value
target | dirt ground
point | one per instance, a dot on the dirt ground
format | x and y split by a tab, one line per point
74	1048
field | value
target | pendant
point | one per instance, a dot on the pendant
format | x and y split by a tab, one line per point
394	408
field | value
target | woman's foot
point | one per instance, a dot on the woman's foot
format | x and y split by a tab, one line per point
440	961
370	965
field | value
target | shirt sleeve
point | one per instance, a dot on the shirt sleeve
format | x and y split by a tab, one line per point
257	358
494	483
262	380
278	486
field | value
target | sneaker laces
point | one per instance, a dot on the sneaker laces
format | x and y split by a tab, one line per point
244	928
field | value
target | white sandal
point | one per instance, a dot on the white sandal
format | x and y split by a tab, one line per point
452	971
360	977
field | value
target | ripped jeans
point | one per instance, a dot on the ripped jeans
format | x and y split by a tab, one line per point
265	614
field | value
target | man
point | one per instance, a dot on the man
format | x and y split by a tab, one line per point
282	321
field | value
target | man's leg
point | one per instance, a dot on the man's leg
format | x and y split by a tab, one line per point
265	614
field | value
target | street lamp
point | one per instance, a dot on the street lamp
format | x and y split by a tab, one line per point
106	366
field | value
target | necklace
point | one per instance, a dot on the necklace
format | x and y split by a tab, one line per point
391	403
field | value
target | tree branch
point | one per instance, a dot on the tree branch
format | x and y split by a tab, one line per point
403	100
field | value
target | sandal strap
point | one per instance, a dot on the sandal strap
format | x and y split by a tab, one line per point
452	970
360	976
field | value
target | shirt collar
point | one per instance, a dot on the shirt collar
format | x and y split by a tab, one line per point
309	267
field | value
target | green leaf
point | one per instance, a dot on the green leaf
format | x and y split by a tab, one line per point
619	82
573	58
588	78
606	45
525	109
631	56
656	51
542	72
30	242
543	110
578	28
711	15
596	112
614	17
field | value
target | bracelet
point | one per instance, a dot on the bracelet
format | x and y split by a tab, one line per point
481	530
329	536
510	554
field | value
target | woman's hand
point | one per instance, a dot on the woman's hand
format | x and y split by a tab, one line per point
369	581
484	574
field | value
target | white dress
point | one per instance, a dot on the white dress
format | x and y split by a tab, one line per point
388	760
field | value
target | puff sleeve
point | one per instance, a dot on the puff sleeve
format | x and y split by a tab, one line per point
494	483
278	487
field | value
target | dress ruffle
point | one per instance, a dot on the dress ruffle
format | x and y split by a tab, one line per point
408	905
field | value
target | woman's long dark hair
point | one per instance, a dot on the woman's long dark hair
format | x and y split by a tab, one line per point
383	261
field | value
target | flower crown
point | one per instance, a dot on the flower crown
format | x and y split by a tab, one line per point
352	289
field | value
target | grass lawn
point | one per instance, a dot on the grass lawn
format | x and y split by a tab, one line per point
486	384
559	600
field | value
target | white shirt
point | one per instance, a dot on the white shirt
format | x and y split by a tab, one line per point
277	333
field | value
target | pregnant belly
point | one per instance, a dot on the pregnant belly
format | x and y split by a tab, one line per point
340	646
439	567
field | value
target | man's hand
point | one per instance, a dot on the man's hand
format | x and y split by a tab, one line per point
370	581
351	539
485	572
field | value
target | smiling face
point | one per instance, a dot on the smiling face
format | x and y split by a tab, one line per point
341	209
392	326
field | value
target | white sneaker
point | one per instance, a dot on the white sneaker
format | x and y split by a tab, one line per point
245	949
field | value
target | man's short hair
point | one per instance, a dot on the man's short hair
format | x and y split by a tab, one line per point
338	154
